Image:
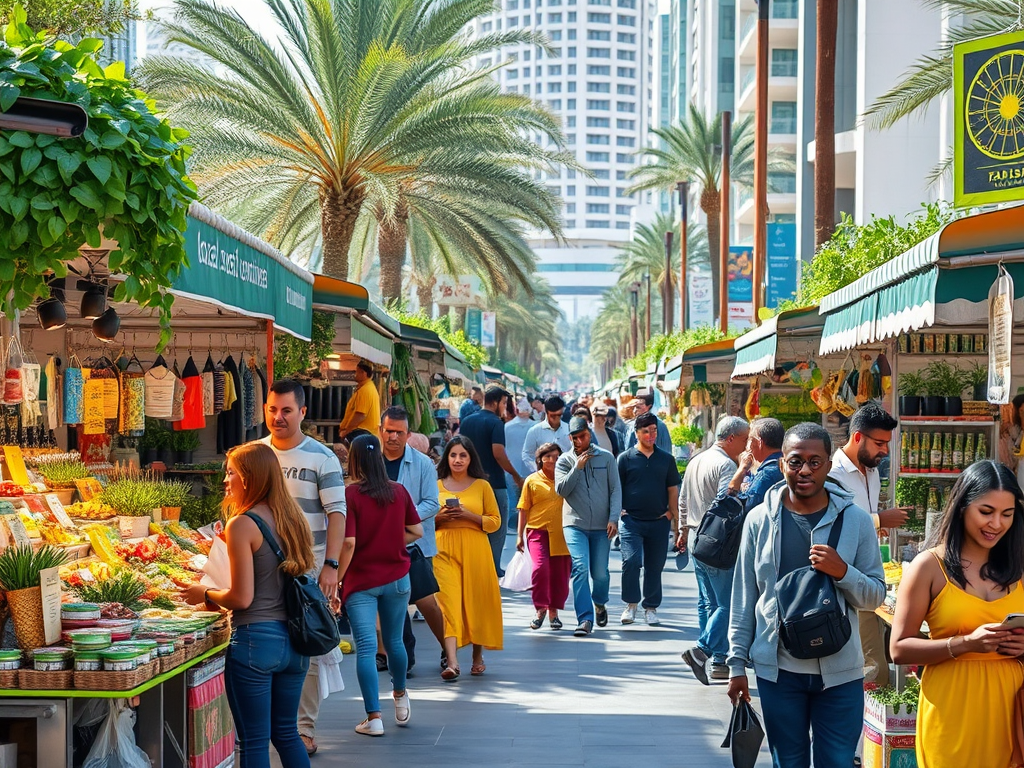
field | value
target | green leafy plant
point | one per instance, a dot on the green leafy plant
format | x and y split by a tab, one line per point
292	356
133	497
174	494
976	375
185	440
20	566
944	380
689	434
65	18
475	354
124	179
156	436
124	587
905	700
62	473
198	511
911	384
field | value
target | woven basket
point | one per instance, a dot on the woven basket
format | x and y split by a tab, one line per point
8	679
220	636
27	611
171	661
105	681
147	672
45	681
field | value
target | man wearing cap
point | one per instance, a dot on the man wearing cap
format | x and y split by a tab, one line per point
644	403
515	439
588	479
363	409
607	437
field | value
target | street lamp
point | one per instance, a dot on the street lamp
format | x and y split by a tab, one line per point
683	187
666	313
634	291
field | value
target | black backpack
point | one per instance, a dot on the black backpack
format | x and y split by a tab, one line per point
718	536
812	620
312	625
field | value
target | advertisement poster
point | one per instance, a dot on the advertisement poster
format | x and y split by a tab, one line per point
782	266
488	328
464	291
988	109
474	322
741	285
700	305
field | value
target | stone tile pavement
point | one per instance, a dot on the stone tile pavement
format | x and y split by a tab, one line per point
620	697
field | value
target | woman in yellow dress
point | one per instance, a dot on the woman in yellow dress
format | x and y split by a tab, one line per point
470	598
964	588
540	521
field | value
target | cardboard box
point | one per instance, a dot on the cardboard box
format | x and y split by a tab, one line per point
883	718
888	750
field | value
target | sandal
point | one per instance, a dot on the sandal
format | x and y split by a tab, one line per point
478	669
556	623
537	623
309	743
450	674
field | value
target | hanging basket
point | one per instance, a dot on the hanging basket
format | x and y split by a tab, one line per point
27	613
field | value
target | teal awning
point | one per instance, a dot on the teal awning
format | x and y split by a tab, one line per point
236	270
756	358
371	344
756	350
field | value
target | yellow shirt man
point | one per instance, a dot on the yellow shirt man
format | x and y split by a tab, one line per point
363	410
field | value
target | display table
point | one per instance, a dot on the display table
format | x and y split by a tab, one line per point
161	727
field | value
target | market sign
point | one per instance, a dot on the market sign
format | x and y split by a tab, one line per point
741	286
235	275
988	108
781	264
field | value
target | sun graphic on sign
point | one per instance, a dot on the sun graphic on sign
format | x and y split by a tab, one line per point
995	107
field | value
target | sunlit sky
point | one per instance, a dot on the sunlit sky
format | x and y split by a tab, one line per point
254	11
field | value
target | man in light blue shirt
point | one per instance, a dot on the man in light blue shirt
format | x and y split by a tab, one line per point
471	404
515	439
416	473
551	430
644	403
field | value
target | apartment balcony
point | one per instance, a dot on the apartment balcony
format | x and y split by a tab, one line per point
783	29
781	87
778	202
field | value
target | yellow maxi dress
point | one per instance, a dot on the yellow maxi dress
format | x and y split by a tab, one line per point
470	598
966	711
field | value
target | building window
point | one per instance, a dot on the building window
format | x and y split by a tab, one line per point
513	89
526	20
556	34
625	141
625	125
571	17
621	157
554	69
598	223
625	106
571	69
598	69
572	51
570	121
570	207
571	189
784	62
621	192
598	138
526	89
627	37
555	104
626	55
526	4
598	191
601	173
555	53
526	55
570	223
598	122
782	182
570	103
513	21
599	53
623	210
627	4
512	5
622	225
572	86
553	3
627	21
554	87
572	34
620	175
599	18
601	104
554	18
511	74
599	87
598	208
727	70
626	90
486	26
597	157
570	173
626	71
599	2
783	117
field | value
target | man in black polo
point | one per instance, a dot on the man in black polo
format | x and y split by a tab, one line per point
650	492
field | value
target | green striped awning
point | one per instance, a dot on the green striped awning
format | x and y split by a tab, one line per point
370	344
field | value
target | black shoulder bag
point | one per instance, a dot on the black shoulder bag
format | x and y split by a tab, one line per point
812	621
312	626
720	532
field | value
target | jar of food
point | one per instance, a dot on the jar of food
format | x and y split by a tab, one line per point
146	649
90	639
10	659
88	661
79	612
56	659
119	658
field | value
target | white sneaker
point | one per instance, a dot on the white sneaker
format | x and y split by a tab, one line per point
629	614
369	727
651	617
403	710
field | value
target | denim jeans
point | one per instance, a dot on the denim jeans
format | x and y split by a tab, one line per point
589	551
715	586
391	601
512	493
644	544
497	538
263	678
796	707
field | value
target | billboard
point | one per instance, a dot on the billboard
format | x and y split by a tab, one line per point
474	324
488	328
988	120
700	305
741	285
782	266
463	291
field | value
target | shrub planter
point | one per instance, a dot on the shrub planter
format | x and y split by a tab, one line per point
910	405
932	405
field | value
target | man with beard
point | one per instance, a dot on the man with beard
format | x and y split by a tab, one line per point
855	468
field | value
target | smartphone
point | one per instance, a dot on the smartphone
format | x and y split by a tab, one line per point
1014	621
451	502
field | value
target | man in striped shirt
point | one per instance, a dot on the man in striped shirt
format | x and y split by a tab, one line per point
313	476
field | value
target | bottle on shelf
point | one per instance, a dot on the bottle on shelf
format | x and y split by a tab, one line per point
904	451
968	450
913	452
947	452
933	514
924	454
981	451
958	452
935	455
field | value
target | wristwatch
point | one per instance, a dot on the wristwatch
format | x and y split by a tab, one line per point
332	563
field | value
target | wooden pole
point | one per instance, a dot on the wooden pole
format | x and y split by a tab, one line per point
634	320
825	122
667	305
723	256
270	351
647	323
761	159
684	190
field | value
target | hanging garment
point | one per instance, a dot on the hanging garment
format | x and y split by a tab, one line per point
220	385
230	431
54	397
13	392
73	382
209	403
92	407
31	374
159	392
261	395
132	422
193	417
248	396
178	406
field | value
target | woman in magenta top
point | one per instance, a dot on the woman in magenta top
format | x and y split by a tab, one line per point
374	574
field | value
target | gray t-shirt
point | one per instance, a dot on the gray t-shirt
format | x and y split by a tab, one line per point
794	553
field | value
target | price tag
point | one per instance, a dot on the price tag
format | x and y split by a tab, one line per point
59	512
18	532
16	465
89	488
49	583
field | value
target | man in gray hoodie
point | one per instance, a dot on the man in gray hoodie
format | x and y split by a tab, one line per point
588	479
803	699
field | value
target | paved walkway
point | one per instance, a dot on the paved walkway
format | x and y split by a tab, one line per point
620	697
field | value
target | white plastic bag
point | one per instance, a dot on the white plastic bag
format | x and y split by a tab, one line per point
115	742
217	571
330	673
519	573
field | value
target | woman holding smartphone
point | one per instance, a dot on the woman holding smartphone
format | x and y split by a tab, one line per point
469	597
540	518
965	587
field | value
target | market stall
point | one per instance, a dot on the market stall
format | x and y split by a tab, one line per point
697	384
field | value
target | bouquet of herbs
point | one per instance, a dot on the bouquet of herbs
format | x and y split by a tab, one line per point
63	472
125	588
20	566
131	497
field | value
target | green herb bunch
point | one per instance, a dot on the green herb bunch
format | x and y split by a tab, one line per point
905	700
911	384
133	497
686	435
20	566
944	380
124	587
63	473
185	440
175	494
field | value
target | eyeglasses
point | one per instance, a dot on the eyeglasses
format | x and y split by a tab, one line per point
795	464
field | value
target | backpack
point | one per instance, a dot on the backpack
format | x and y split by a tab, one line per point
812	620
717	544
312	625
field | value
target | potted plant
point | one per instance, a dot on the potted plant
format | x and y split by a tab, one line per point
186	442
164	443
60	472
147	449
947	382
911	387
174	496
134	500
19	578
977	379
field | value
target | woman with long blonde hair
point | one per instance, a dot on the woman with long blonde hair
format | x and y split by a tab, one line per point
263	674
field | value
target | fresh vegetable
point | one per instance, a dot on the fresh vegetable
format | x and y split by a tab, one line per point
20	566
124	587
905	700
8	488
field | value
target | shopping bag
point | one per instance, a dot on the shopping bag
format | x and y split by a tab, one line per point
115	745
519	573
217	571
744	736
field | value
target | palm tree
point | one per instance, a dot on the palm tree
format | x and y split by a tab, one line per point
692	150
524	322
612	327
931	76
355	101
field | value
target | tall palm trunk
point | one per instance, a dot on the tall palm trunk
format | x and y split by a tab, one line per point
711	205
338	213
425	295
825	122
392	240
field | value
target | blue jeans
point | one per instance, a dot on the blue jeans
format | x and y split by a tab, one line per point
796	706
512	493
263	677
392	602
589	551
644	544
497	538
715	585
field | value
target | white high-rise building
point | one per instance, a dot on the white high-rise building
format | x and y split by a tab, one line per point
598	76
